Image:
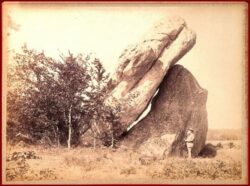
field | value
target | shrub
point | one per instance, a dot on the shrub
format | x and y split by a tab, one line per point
209	151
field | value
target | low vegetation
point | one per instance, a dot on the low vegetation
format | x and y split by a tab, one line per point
106	164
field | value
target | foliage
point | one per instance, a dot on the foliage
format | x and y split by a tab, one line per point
108	124
18	168
54	101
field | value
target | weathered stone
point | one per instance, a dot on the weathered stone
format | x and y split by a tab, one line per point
136	60
142	68
179	104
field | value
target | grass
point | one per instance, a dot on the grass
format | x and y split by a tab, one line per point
84	164
200	169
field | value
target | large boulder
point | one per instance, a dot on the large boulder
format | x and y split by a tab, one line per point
142	68
179	104
138	58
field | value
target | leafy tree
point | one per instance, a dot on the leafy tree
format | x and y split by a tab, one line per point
105	124
53	100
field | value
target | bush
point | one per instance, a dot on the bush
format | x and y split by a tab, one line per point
17	167
209	151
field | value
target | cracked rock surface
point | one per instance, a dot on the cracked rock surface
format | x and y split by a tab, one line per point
142	67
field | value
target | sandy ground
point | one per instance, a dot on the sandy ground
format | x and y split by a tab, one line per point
122	165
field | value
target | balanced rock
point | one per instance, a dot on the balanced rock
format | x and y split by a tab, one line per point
142	68
179	104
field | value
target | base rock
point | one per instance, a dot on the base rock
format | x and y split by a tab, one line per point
179	104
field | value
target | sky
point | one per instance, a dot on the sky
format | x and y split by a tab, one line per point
217	60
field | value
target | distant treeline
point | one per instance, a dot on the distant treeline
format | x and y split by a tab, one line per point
224	134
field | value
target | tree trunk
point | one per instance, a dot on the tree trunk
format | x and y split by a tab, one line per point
70	127
94	141
112	140
95	130
58	136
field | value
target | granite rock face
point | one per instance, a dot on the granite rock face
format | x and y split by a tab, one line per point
179	104
142	67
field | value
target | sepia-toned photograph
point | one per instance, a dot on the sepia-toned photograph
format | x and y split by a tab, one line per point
126	93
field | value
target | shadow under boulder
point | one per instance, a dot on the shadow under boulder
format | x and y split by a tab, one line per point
209	151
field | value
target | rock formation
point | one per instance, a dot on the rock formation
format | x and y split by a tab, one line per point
179	104
143	66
